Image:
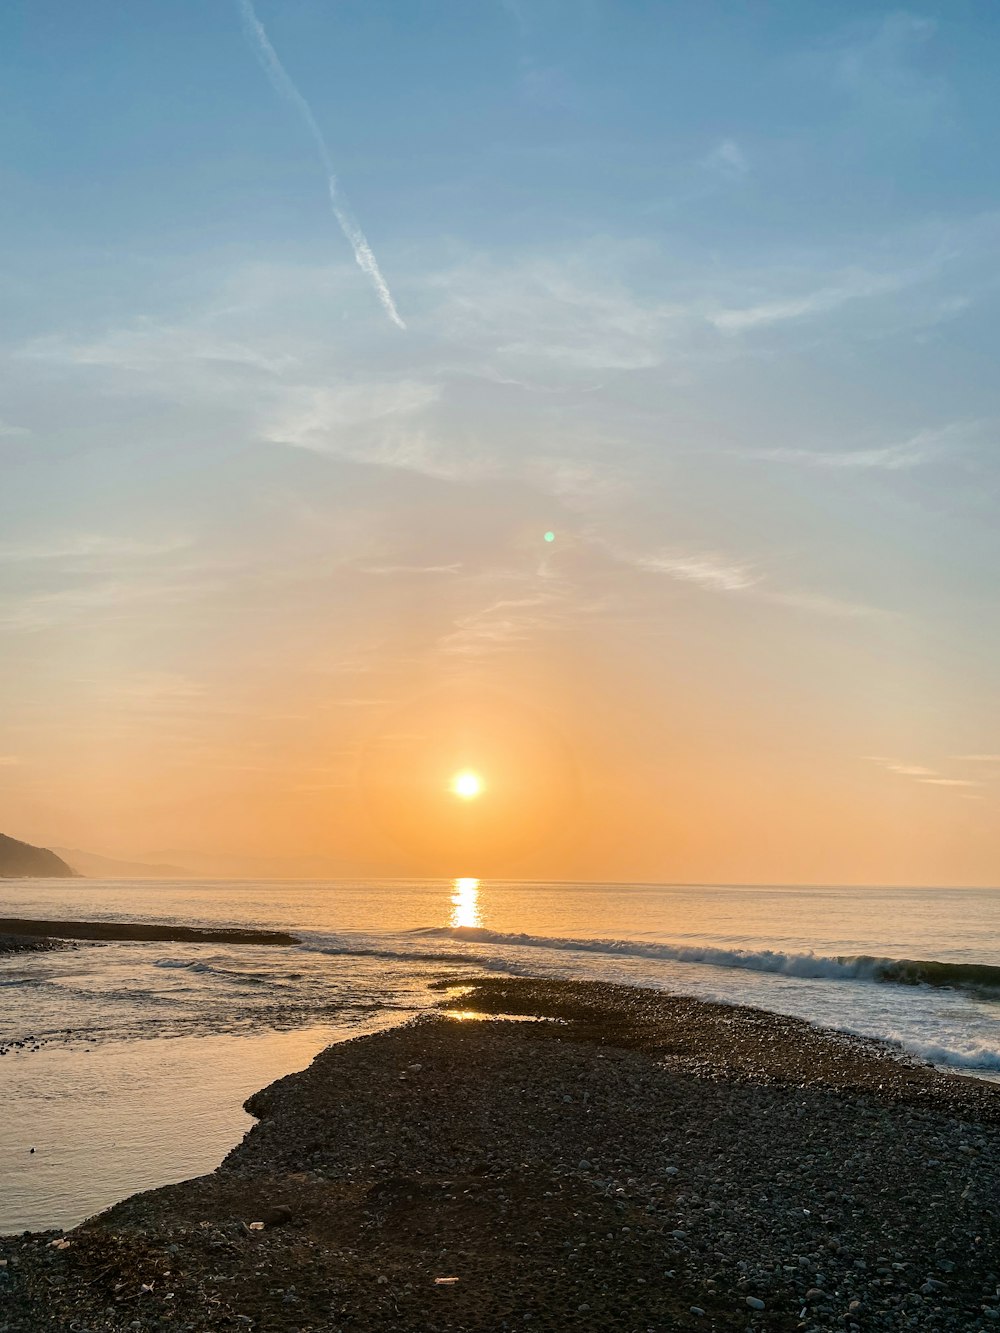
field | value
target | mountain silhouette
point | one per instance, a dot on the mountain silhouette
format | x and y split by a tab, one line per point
20	859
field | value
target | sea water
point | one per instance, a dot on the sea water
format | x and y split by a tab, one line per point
127	1064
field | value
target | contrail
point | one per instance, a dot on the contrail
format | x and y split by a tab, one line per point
282	83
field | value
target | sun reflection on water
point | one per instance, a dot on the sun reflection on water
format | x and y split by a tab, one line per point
465	910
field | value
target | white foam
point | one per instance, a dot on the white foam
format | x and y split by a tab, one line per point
809	965
963	1055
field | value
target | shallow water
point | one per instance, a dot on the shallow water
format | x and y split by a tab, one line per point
109	1121
146	1051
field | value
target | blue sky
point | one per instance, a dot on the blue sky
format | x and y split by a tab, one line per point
708	289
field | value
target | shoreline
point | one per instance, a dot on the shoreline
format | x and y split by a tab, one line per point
35	933
630	1159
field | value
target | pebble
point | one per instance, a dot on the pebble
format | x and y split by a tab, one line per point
755	1303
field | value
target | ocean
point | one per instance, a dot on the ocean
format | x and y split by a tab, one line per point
125	1065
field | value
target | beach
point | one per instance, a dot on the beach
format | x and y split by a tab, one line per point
562	1155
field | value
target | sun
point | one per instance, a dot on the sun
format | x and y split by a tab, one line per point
467	784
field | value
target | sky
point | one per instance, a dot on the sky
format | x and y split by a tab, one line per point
317	315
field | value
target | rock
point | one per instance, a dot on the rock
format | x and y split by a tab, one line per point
815	1294
277	1215
755	1303
697	1311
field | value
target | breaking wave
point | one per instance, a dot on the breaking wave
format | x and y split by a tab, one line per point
963	1055
981	977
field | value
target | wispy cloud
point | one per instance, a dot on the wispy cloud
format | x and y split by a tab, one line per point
727	159
540	323
88	547
502	624
924	447
314	418
725	574
10	432
146	346
282	83
851	286
921	773
411	570
877	64
977	758
821	604
890	458
707	569
106	598
374	423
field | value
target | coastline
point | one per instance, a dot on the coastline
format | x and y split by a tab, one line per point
18	934
626	1161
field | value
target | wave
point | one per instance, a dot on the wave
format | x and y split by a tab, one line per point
966	1055
982	977
206	969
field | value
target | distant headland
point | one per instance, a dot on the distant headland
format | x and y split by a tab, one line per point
22	860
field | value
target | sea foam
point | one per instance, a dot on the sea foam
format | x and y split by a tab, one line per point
980	977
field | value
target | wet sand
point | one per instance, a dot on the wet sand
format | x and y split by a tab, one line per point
635	1161
15	929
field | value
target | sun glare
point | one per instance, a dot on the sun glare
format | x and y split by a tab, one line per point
467	784
465	902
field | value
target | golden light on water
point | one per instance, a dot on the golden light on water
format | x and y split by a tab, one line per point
465	903
467	784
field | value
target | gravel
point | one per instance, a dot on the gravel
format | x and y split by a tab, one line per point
636	1163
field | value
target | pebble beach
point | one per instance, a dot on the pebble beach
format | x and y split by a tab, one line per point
561	1155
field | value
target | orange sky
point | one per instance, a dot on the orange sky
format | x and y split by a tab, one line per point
700	742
